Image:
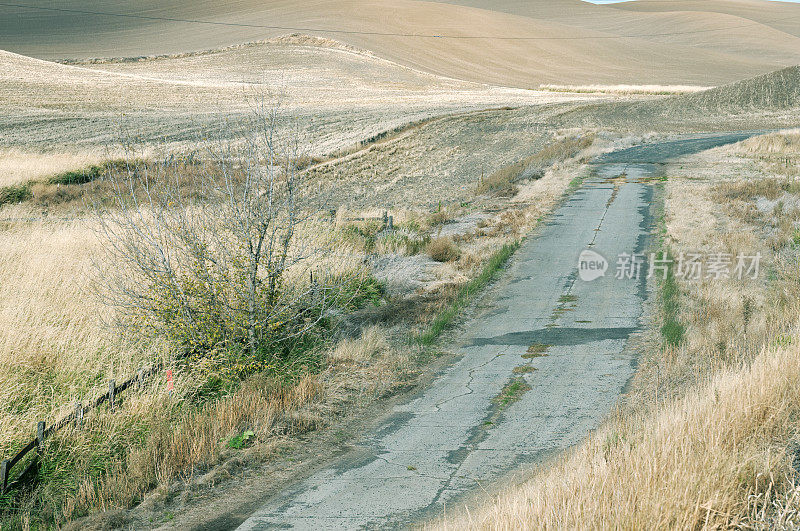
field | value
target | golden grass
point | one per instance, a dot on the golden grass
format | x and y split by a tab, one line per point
53	347
54	350
20	166
372	343
785	143
179	442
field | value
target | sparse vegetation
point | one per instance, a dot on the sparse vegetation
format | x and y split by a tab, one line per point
671	329
537	350
502	182
512	392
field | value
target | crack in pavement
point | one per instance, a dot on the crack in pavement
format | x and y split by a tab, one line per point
470	445
471	378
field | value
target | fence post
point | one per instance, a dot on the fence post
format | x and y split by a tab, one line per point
112	389
140	379
3	475
390	225
79	414
40	435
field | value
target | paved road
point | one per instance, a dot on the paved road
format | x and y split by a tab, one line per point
456	435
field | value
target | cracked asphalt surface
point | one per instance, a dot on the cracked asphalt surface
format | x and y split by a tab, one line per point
565	337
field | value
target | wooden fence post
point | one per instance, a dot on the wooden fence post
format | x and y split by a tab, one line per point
3	475
79	414
40	435
112	389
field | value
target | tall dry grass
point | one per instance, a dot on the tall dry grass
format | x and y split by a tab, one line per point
157	438
54	348
784	143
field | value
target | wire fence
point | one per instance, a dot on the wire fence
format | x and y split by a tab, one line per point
76	418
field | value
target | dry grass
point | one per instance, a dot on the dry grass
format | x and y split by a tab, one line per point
372	343
502	182
711	459
53	346
19	166
56	350
783	143
157	438
777	153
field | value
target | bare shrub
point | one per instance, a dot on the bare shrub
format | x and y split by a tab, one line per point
217	262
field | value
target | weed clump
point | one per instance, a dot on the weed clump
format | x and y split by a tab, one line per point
444	249
672	330
15	193
512	392
537	350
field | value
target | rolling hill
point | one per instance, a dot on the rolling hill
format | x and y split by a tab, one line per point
508	42
763	102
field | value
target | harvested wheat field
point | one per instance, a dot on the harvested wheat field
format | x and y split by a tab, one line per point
441	264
